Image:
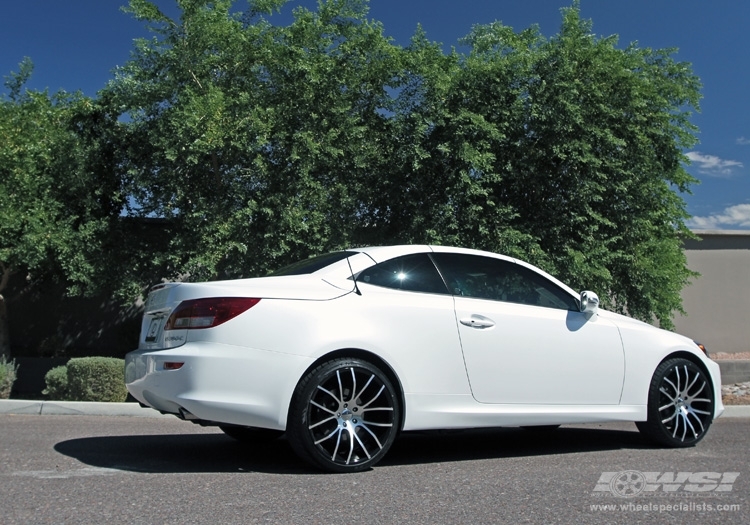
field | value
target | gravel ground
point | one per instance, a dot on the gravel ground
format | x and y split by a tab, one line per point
738	393
720	356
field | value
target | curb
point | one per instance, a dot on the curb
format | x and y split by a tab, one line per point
86	408
736	411
76	408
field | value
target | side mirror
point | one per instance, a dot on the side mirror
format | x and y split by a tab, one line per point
589	302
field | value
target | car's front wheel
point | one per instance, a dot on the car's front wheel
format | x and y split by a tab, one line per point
344	416
680	404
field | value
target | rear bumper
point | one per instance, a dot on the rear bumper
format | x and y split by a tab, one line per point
216	383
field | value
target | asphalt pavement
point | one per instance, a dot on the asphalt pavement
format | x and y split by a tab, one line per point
134	470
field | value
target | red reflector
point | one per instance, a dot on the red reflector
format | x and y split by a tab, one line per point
173	365
207	313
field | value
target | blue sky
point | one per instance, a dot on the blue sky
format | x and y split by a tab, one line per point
75	45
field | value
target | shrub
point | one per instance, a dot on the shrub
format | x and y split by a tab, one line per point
97	379
57	383
88	379
8	374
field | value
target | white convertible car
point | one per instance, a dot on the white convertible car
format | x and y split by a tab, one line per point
343	351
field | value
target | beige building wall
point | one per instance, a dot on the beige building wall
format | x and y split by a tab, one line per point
718	302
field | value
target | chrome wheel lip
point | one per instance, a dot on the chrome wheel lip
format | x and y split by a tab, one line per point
685	403
351	415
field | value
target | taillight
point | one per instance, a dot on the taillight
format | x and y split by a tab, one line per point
207	313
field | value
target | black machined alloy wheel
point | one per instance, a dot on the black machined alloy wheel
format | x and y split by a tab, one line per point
344	416
680	404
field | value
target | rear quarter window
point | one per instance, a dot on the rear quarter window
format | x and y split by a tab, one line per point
414	273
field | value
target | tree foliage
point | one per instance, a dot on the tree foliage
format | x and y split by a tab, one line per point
255	144
56	199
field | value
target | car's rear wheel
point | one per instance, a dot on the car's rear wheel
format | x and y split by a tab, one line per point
250	434
344	416
680	404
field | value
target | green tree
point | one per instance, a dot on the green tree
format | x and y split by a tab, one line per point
254	142
258	144
56	201
568	152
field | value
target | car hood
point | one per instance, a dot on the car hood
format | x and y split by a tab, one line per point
624	322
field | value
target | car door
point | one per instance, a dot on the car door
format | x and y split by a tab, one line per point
411	316
524	340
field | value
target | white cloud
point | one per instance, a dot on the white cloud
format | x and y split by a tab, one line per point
742	141
712	165
732	217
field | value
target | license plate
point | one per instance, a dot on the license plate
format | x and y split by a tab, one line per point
153	329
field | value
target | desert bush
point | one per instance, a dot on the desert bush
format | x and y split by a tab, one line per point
88	379
97	379
57	383
8	374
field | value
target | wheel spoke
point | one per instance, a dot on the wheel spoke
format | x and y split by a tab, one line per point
691	413
329	393
322	407
674	415
701	389
351	447
679	380
354	385
356	394
329	436
668	405
362	445
338	442
373	436
374	398
676	390
341	388
697	376
689	424
326	420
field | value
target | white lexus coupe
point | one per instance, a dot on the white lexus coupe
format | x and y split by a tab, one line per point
344	351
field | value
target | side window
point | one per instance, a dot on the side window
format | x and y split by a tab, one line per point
498	280
414	273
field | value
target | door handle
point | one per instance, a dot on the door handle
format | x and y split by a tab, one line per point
478	321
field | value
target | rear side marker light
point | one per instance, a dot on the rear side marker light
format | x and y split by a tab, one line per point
207	313
170	365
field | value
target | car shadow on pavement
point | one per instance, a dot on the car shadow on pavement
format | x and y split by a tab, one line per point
215	453
467	445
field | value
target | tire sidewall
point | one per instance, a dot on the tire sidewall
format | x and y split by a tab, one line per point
654	427
297	424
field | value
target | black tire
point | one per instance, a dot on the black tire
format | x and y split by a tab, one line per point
680	404
344	416
250	434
